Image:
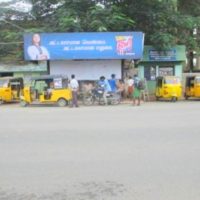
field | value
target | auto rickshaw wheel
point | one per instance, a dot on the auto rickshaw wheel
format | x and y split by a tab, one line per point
62	102
157	98
23	103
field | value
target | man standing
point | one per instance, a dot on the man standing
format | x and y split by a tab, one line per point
113	83
74	87
137	90
130	83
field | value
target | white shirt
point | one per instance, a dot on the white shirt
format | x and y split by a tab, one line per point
74	84
130	82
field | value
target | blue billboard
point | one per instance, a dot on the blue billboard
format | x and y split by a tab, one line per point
99	45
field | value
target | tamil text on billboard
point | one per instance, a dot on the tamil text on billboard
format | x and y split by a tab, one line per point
100	45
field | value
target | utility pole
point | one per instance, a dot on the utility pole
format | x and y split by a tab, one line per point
191	58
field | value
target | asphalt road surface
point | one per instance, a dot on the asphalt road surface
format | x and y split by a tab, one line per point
151	152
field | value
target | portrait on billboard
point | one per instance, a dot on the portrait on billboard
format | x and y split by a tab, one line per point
36	51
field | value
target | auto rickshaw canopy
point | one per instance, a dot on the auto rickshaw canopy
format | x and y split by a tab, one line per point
58	81
7	81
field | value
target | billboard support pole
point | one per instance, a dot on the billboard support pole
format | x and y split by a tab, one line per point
48	67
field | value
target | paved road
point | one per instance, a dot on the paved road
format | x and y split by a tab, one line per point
100	153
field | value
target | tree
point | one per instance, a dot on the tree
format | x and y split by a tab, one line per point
67	16
86	15
164	22
192	34
155	18
12	14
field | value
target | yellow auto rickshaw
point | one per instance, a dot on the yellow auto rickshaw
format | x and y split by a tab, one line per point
47	90
192	87
10	89
168	87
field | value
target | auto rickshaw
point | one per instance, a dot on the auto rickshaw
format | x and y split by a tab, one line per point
10	89
47	90
192	87
168	87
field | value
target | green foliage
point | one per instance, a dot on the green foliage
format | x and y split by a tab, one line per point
162	41
108	19
86	16
164	22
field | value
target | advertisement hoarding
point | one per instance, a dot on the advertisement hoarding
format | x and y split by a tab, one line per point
69	46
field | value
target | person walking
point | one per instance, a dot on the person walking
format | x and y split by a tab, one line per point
136	91
113	83
74	85
130	83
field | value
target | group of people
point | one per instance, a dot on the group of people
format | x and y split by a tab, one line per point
112	85
135	86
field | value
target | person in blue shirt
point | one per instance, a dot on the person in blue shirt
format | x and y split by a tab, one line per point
113	83
104	84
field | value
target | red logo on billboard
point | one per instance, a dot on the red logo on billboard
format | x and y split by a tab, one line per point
124	44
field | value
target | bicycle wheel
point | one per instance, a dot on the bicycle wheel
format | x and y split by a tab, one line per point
115	99
88	100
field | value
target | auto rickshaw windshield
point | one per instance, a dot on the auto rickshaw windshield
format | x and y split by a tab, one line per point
4	83
172	80
197	79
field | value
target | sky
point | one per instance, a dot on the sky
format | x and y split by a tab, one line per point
19	5
3	1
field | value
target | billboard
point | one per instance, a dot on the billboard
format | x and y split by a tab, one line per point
70	46
168	55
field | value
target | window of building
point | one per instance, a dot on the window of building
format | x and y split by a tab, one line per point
166	71
150	73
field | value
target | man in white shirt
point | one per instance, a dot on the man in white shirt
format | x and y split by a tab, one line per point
74	87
